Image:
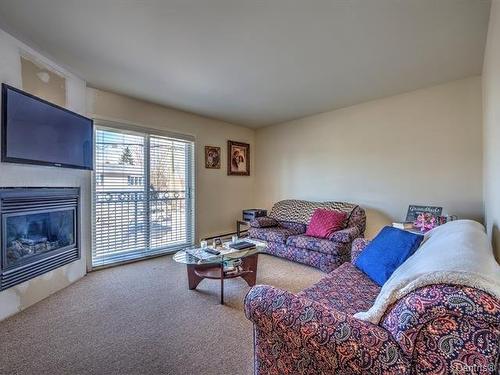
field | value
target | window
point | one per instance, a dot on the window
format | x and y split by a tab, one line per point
143	195
131	180
99	178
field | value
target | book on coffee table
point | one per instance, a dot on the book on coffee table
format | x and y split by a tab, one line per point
242	245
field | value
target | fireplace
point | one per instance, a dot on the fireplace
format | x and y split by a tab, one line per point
39	231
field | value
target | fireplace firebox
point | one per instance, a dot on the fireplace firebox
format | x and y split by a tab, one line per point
39	232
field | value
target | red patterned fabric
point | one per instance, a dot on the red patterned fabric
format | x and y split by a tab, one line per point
317	244
325	254
264	222
325	262
358	246
295	335
346	289
457	326
438	329
345	235
272	234
325	222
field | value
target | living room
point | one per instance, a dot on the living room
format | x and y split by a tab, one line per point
197	111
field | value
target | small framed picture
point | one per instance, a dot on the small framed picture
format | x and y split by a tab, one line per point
238	159
217	243
414	211
212	157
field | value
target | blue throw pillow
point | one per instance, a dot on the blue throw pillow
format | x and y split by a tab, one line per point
386	252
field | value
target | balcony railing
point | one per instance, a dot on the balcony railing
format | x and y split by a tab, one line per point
139	222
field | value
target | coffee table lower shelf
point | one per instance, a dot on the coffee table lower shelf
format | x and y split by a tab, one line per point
198	272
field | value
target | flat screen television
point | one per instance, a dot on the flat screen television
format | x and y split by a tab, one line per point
35	131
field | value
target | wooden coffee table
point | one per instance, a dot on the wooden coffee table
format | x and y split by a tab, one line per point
213	268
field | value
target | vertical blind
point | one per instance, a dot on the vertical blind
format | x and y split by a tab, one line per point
143	200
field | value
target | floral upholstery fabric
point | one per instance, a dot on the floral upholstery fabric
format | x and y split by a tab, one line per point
345	236
316	244
298	228
437	329
264	222
300	211
325	262
358	245
346	289
357	219
293	216
295	335
272	234
457	326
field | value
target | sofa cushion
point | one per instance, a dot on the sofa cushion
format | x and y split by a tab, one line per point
325	222
386	252
272	234
264	222
298	228
346	289
315	244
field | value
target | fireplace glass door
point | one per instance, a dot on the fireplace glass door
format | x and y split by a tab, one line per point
34	234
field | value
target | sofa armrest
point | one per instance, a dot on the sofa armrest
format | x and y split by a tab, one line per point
358	245
345	235
442	324
264	222
297	335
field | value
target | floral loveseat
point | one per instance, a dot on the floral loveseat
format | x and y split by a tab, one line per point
437	329
284	230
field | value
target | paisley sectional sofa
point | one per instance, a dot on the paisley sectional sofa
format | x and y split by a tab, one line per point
284	230
434	329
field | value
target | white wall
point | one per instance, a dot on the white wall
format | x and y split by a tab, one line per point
422	147
491	116
219	197
21	296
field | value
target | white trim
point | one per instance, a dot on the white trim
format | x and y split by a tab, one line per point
138	128
191	195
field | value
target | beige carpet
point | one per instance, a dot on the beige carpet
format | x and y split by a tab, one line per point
142	319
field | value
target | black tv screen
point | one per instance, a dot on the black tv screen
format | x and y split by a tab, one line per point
35	131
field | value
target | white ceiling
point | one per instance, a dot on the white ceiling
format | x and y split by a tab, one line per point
256	62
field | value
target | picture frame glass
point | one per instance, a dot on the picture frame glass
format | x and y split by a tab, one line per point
212	157
238	158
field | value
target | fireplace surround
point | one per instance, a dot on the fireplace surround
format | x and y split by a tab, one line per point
39	232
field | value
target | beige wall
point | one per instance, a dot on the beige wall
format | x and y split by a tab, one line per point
422	147
220	198
52	88
491	116
23	295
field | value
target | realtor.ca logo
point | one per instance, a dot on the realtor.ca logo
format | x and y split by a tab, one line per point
461	368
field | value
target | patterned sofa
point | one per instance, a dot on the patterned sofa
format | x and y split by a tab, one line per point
437	329
284	230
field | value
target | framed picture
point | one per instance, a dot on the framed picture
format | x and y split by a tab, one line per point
238	159
212	157
414	211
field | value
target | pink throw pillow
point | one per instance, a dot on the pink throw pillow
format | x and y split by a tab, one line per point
325	222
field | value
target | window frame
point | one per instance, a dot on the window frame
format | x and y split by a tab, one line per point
134	129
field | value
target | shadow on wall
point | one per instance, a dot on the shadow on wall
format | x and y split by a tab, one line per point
375	221
495	242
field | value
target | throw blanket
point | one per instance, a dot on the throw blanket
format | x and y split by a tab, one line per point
458	252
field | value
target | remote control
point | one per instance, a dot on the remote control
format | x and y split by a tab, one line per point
212	251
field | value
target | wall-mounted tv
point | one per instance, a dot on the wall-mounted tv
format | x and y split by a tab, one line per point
35	131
